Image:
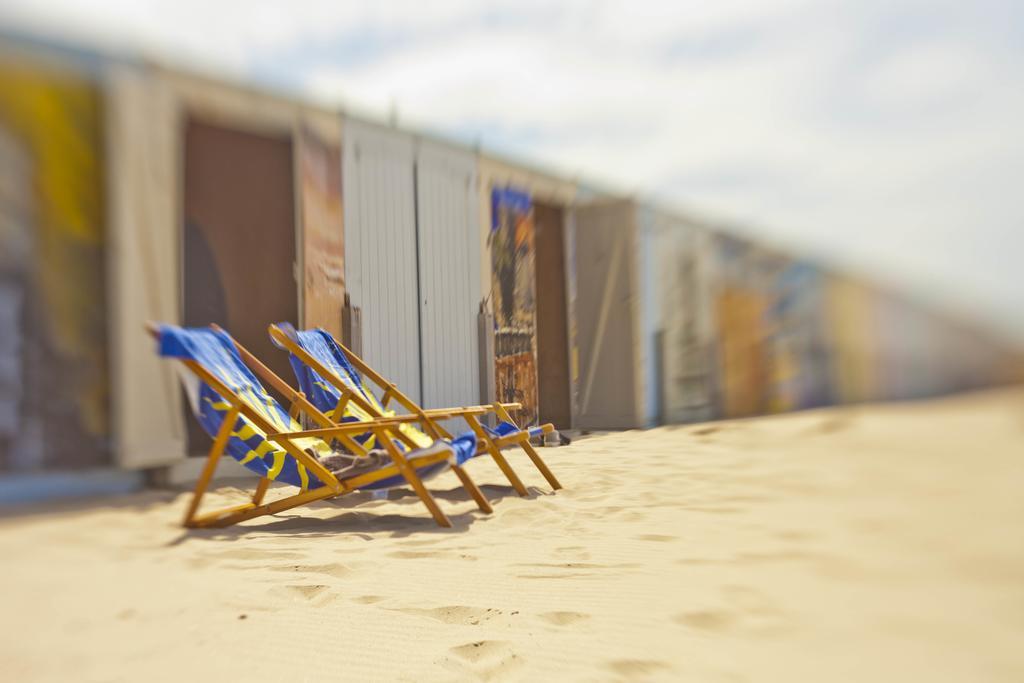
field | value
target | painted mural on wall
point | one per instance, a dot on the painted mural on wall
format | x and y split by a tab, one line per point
323	232
53	363
513	299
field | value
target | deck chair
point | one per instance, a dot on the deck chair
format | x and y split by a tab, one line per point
248	424
329	374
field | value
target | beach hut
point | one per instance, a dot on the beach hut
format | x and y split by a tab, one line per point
796	334
54	249
225	206
678	337
611	355
646	335
906	349
959	357
888	346
853	338
741	304
922	352
528	324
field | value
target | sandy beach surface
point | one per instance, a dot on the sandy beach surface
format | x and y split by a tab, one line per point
869	543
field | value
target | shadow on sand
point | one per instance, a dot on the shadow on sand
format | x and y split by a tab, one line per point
358	516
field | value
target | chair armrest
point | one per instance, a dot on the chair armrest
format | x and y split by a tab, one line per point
346	428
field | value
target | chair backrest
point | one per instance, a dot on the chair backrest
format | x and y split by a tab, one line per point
323	394
215	351
324	349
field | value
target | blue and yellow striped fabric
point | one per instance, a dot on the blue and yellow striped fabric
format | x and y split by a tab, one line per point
248	444
321	345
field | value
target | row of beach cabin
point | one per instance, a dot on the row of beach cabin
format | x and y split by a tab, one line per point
130	191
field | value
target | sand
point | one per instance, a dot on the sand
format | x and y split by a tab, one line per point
875	543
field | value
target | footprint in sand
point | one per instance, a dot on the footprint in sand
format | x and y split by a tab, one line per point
563	618
706	620
369	599
430	555
318	594
571	570
461	614
713	509
602	498
635	669
425	541
208	559
749	599
575	552
527	516
618	513
633	516
416	554
566	575
335	569
579	565
832	424
255	554
774	556
748	611
487	660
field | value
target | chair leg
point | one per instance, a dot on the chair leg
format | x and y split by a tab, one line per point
474	491
221	440
528	447
237	513
540	464
428	500
510	474
261	490
495	453
409	472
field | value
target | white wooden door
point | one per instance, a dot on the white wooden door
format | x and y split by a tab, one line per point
380	248
449	274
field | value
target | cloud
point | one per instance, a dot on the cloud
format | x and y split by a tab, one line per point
883	136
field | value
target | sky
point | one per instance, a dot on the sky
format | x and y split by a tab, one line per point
886	138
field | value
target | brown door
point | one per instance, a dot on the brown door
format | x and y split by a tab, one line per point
240	237
552	317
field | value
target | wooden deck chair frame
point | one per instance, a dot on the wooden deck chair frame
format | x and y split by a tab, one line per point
428	418
383	429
